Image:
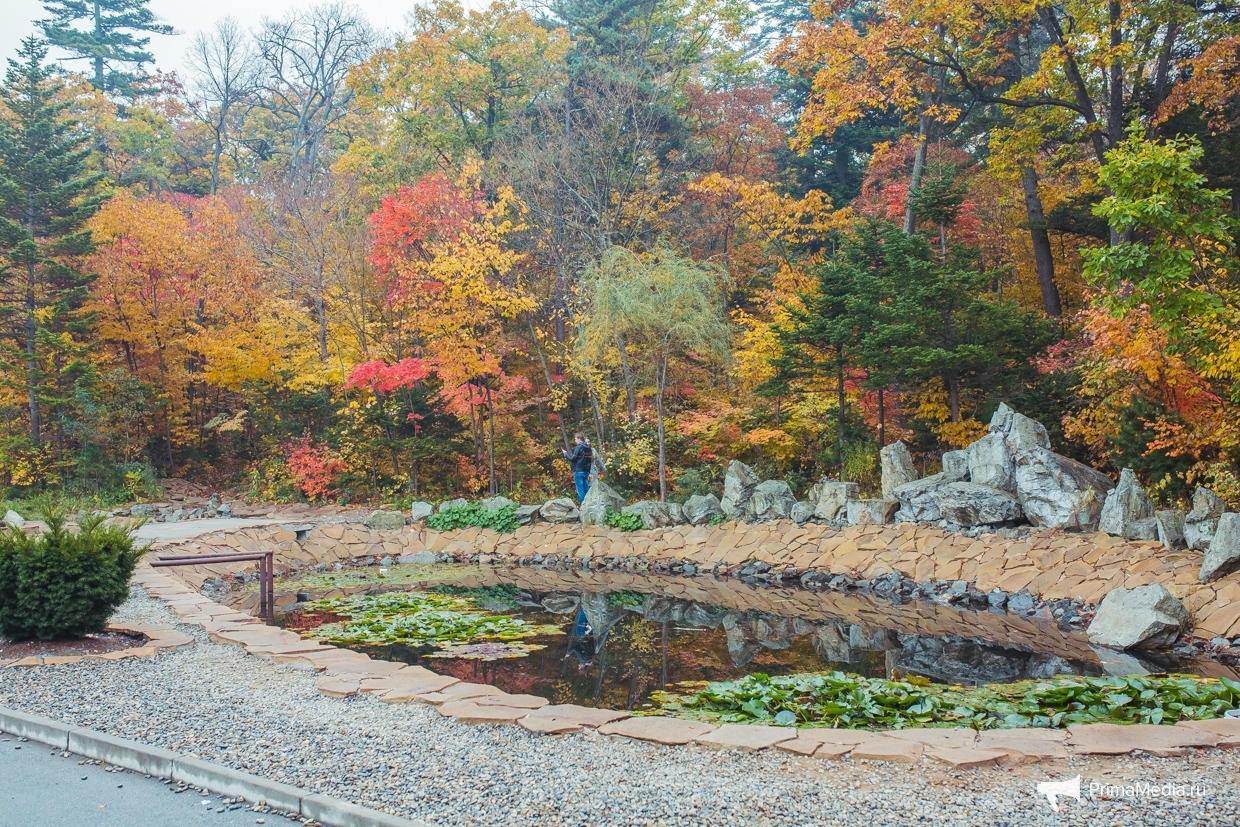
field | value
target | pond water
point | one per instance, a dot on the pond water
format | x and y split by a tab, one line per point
610	640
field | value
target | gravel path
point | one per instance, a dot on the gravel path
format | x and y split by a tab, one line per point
216	702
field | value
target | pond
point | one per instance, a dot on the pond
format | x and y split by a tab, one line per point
610	640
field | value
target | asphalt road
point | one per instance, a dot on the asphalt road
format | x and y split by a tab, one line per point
39	788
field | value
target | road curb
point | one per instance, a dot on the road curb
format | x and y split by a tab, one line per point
197	773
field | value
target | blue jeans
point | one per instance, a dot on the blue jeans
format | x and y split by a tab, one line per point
582	481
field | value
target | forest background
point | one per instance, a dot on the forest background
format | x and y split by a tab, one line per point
332	264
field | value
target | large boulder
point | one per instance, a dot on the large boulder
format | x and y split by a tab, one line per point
1057	492
1125	505
459	502
990	463
559	510
14	520
897	467
802	513
496	503
1223	556
526	514
1200	522
970	504
956	466
771	500
1019	431
871	512
419	511
385	520
1147	617
701	509
654	515
1170	524
916	498
738	485
600	499
833	497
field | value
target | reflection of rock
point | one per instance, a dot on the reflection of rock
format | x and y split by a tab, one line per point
561	604
770	500
600	499
831	643
1119	664
897	467
700	510
1200	522
600	615
741	646
738	485
749	632
706	617
559	510
955	660
871	640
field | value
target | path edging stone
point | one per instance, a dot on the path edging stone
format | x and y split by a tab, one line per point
157	761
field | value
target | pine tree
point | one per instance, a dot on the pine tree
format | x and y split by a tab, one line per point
108	41
46	194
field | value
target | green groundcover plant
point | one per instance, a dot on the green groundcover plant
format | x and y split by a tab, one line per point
62	584
475	515
837	699
622	521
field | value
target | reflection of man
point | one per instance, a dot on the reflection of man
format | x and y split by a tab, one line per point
583	644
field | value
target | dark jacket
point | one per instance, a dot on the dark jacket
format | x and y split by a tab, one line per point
581	458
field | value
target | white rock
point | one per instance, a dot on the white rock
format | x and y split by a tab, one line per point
770	500
419	511
833	497
970	504
897	467
956	465
14	520
496	503
1170	524
1146	617
1125	504
802	513
701	509
1057	492
600	499
990	463
1019	431
1223	556
1200	522
871	511
654	515
559	510
738	485
916	498
385	520
459	502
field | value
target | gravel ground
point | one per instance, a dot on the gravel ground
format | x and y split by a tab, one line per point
215	702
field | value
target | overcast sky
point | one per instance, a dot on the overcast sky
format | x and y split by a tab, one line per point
189	16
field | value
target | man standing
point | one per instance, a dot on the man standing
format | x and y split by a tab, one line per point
581	458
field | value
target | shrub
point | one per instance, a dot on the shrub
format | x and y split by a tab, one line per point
63	585
622	521
475	515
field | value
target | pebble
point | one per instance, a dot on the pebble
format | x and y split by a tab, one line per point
214	701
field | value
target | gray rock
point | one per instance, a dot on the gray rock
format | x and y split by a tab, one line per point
871	512
897	467
459	502
1125	504
526	514
13	520
701	509
419	511
1170	523
771	500
1020	602
833	497
496	503
600	499
802	513
1200	522
559	510
990	462
176	516
419	558
1146	617
970	504
145	510
653	514
385	520
1057	492
1223	556
1146	529
676	513
1019	431
738	486
956	465
916	500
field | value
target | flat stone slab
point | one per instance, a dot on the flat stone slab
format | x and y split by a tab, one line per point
1227	730
660	730
939	738
882	748
798	746
515	701
404	692
548	726
746	737
363	667
334	687
1025	745
459	691
468	712
286	648
1116	739
581	715
62	660
966	758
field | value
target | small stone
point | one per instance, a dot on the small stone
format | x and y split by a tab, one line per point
419	511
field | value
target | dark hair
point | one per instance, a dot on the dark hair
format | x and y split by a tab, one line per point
579	435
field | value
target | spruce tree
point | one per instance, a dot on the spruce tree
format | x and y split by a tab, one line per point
46	195
108	40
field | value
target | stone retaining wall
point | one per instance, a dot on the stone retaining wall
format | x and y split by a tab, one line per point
1049	564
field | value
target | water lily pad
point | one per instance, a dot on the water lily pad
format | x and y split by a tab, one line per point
487	651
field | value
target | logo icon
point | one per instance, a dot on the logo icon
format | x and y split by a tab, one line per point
1053	789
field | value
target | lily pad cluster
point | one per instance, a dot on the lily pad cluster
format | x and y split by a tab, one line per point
837	699
449	623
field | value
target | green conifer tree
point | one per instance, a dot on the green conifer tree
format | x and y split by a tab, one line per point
109	39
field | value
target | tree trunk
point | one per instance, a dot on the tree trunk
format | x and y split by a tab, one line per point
98	38
630	392
919	164
322	314
1042	257
494	486
32	382
840	390
542	360
882	421
660	386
